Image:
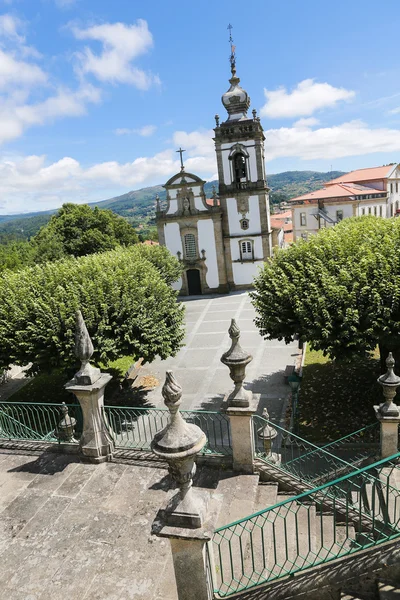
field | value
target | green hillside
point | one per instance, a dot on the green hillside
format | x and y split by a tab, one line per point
138	206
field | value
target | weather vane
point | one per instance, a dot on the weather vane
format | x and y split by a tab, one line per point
180	151
232	57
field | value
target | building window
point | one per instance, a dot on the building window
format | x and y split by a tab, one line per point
391	210
375	210
303	219
246	250
391	188
369	210
363	211
339	215
397	187
190	245
304	236
380	210
239	168
244	223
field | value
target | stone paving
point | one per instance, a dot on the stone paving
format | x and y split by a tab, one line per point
198	368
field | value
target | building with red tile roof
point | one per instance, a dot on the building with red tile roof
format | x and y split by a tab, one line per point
372	191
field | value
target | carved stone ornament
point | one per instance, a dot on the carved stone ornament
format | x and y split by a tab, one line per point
236	359
87	374
178	443
242	205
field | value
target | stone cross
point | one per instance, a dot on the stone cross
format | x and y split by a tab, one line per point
180	151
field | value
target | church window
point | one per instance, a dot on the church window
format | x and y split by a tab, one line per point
246	250
244	223
239	166
303	219
190	245
339	215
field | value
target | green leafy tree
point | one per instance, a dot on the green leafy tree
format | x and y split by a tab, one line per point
125	297
78	230
340	290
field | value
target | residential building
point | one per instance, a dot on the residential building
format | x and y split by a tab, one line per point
373	191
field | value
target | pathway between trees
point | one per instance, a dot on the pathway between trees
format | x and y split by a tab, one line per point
198	369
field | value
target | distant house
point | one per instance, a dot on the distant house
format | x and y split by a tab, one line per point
373	191
282	229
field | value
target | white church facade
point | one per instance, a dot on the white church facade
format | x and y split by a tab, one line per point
222	241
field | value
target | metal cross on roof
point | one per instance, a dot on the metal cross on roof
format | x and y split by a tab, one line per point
180	151
232	57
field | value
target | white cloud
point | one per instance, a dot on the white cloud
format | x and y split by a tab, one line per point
16	117
348	139
394	111
65	3
8	28
304	100
19	73
145	131
122	44
307	122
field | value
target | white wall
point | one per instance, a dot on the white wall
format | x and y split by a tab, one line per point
234	217
244	273
173	238
205	229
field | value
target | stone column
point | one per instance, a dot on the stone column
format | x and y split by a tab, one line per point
88	384
388	412
188	518
239	405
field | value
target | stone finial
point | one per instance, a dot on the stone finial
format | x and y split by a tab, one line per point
389	382
203	254
216	120
158	205
214	195
178	443
87	374
236	359
254	113
66	427
179	255
267	433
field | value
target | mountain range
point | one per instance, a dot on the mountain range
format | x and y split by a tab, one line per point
138	206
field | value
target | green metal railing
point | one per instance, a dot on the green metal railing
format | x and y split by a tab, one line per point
309	529
131	428
309	462
32	422
135	428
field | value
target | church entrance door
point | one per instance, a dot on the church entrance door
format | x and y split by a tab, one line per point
194	283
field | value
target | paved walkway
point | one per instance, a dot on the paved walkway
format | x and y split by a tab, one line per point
198	369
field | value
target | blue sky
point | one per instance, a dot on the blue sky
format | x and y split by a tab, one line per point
96	95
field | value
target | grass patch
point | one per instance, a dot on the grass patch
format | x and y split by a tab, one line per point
337	398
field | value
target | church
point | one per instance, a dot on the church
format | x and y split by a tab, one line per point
221	241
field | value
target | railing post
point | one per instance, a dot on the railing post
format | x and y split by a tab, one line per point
388	412
88	385
188	519
239	405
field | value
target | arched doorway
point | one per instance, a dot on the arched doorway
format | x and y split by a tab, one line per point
194	283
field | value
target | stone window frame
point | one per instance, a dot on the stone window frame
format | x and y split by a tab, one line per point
249	255
303	219
185	231
235	150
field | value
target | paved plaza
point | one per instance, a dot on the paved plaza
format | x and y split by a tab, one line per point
198	369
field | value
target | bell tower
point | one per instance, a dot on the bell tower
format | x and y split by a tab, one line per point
243	191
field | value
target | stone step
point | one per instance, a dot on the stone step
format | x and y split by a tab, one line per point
332	538
353	596
239	496
388	590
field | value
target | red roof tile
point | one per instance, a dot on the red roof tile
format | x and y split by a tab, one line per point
338	190
364	175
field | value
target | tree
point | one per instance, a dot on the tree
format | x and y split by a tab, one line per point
125	298
340	290
78	230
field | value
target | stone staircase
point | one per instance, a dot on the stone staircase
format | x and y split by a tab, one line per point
302	534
